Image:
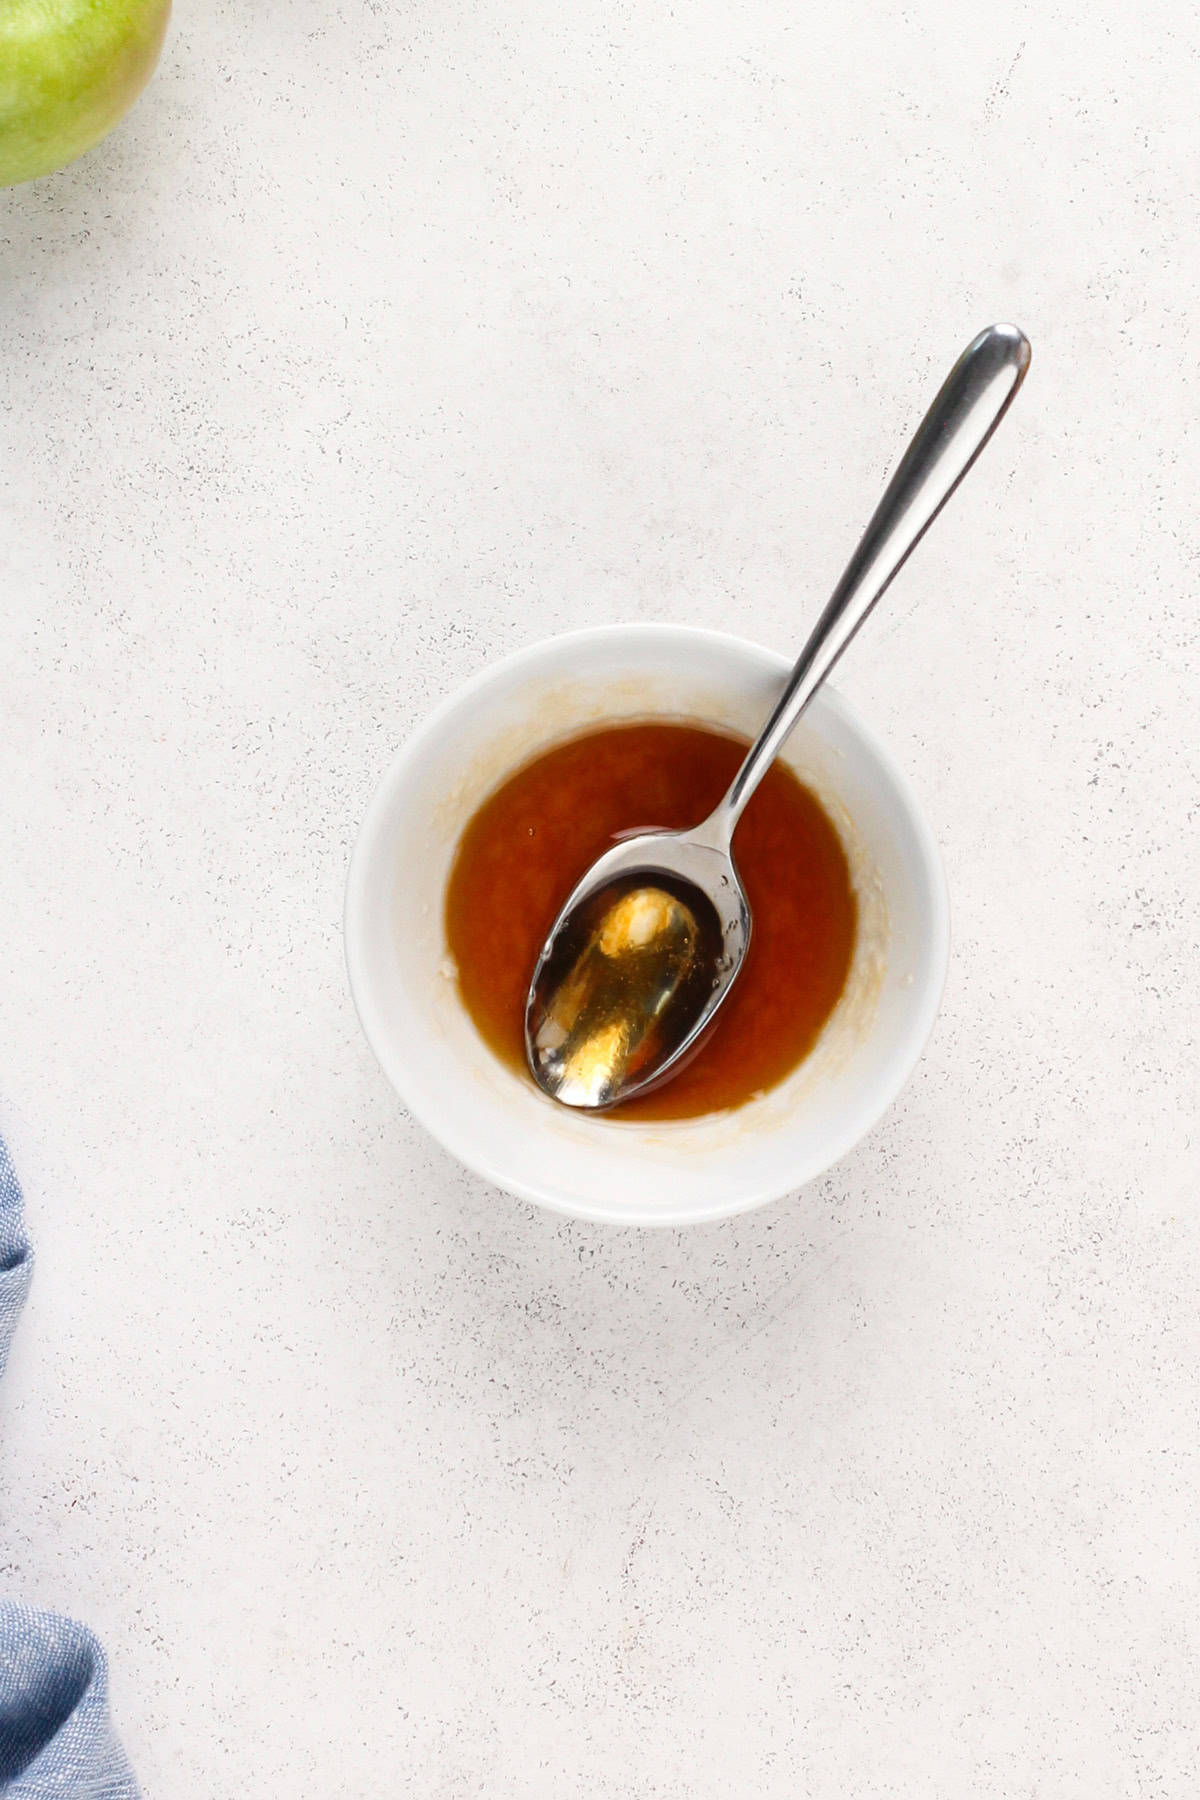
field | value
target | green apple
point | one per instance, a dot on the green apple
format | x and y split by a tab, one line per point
69	69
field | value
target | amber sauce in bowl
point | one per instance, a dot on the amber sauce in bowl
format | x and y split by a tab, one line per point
538	833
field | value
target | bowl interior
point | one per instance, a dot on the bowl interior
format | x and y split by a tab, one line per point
638	1172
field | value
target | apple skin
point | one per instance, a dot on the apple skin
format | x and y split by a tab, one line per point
69	69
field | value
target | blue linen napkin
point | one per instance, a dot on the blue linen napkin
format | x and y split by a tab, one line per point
56	1741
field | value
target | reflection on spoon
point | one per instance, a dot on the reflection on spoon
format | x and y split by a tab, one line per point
644	955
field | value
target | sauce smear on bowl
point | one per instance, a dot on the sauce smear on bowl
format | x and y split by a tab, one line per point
541	830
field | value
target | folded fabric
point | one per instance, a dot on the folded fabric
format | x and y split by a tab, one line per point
56	1742
16	1258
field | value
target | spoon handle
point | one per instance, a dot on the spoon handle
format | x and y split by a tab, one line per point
974	398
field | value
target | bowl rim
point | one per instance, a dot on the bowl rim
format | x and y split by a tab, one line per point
436	1122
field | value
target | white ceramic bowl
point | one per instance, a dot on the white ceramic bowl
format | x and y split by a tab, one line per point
493	1120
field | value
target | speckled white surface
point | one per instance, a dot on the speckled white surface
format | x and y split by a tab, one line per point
380	340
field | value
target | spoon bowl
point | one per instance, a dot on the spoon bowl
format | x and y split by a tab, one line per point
570	1048
602	1025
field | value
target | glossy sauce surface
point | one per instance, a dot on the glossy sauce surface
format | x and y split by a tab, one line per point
532	840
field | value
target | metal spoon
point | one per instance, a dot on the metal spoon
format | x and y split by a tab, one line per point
649	943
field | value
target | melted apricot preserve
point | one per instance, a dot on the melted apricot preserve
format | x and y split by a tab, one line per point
529	843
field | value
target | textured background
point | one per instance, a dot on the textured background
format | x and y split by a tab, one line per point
382	339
